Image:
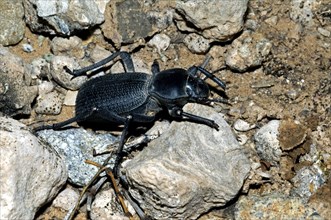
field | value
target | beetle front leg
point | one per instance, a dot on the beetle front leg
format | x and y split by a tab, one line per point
177	112
119	155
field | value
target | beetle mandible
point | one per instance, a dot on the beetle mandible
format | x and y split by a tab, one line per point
138	97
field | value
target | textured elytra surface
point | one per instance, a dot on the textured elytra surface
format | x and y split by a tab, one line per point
189	169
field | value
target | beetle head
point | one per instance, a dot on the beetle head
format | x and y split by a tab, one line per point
197	89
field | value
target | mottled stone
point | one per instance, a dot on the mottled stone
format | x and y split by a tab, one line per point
61	76
248	51
273	206
76	145
12	25
196	43
16	94
216	20
49	103
62	17
132	20
267	143
31	172
189	169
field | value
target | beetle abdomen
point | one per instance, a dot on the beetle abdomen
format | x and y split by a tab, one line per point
117	93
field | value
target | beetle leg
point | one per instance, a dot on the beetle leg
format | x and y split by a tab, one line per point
59	125
155	67
121	145
127	62
179	113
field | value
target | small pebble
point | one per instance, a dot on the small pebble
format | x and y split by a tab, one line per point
27	48
241	125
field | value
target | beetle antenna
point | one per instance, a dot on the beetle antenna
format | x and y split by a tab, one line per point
212	77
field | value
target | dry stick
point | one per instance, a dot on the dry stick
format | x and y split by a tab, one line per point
102	168
117	191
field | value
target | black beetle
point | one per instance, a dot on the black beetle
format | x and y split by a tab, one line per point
138	97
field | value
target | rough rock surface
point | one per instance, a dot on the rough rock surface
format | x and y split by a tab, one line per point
62	17
12	25
189	169
16	94
61	76
248	51
218	20
274	206
123	26
76	145
31	172
267	143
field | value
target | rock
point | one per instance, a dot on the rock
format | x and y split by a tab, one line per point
196	43
160	41
273	206
49	103
70	98
324	32
68	46
217	20
248	51
66	199
45	87
189	169
106	206
123	26
291	134
241	125
40	68
76	145
267	143
307	181
16	94
302	11
61	76
62	17
28	48
12	25
31	172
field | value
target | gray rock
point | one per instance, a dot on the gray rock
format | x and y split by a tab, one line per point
196	43
12	25
76	145
267	143
123	26
160	41
68	46
106	206
241	125
248	51
307	181
302	11
61	76
31	172
39	68
188	169
28	48
218	20
49	103
62	16
273	206
16	94
66	199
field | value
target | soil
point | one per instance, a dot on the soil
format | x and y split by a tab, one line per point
293	84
